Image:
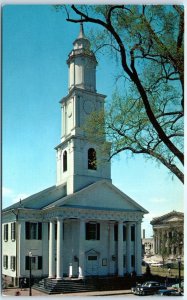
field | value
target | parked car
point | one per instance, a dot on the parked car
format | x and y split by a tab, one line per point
176	285
168	292
147	288
158	264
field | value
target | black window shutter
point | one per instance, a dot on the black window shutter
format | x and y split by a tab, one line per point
6	232
27	230
124	233
5	235
132	233
98	231
27	263
14	262
39	231
87	231
39	262
13	228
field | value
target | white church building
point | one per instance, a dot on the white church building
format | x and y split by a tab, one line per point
83	225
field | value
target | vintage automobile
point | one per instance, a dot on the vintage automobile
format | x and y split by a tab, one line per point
147	288
169	292
176	286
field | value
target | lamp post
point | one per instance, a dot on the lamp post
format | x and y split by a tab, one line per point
179	266
30	269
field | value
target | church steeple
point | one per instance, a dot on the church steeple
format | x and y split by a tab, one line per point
79	162
82	64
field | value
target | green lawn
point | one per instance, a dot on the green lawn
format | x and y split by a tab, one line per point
164	272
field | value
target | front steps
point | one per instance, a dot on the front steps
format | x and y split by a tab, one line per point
53	286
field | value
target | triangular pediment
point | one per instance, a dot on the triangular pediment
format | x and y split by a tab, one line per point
172	217
100	195
92	252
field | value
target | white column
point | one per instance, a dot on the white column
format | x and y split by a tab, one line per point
21	246
111	248
159	243
154	242
128	247
51	250
120	248
138	249
81	249
45	250
59	249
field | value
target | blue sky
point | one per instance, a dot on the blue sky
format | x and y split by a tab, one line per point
36	44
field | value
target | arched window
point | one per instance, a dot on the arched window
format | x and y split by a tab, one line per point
65	161
92	161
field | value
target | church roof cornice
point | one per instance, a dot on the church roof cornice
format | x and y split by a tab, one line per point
83	53
72	137
79	92
87	213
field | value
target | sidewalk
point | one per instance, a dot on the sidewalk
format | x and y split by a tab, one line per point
12	291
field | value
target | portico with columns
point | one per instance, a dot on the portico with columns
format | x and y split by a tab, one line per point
83	225
110	255
168	233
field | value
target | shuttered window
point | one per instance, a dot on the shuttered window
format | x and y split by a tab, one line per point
5	261
92	231
6	232
36	263
33	231
13	231
13	263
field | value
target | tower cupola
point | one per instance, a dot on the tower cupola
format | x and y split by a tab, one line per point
82	64
81	42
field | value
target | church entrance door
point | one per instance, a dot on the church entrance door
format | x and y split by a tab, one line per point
92	265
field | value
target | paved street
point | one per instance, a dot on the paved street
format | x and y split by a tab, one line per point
12	292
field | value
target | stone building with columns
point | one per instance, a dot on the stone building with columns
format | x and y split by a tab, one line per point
168	234
83	225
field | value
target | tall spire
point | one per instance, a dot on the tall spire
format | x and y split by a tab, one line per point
81	42
81	33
